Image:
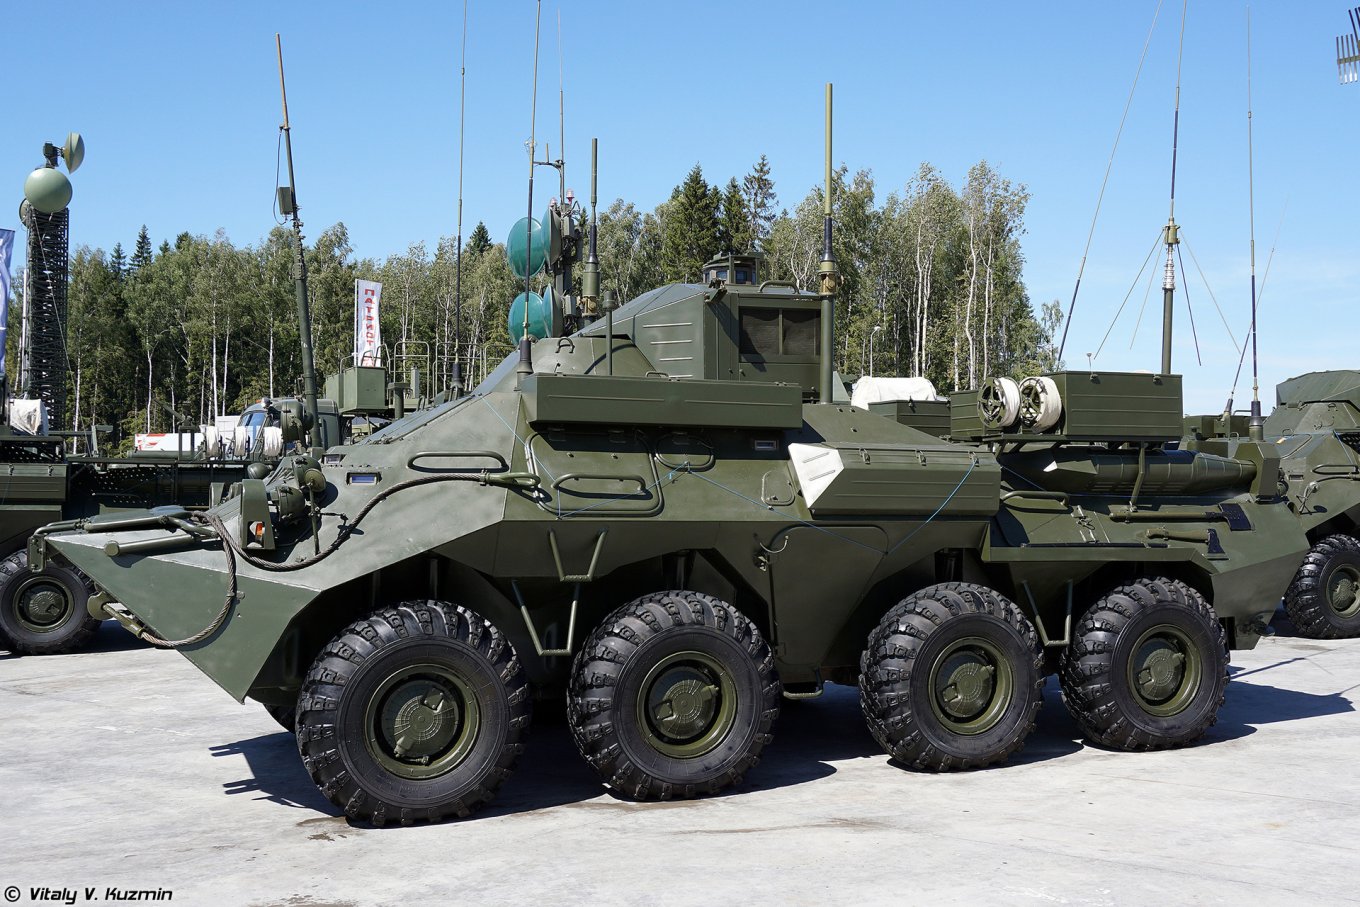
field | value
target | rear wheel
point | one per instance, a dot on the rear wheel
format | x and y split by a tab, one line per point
43	613
1147	667
1323	601
673	695
413	714
951	678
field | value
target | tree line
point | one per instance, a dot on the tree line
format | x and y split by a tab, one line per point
171	336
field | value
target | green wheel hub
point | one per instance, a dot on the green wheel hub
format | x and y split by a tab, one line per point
686	705
42	604
971	685
422	721
1343	590
1164	671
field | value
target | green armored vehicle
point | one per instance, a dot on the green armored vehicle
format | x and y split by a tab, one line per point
670	513
1315	426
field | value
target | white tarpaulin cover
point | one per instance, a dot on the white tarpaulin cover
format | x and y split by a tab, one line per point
888	390
28	416
367	330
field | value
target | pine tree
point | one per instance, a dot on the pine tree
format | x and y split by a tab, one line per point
689	230
141	252
118	263
734	223
760	200
479	241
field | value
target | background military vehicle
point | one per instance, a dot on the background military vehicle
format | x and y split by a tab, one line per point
44	612
1315	426
682	483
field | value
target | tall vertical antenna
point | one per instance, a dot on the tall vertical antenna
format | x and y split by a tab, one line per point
829	276
1171	233
526	361
458	252
1256	427
288	205
561	118
590	273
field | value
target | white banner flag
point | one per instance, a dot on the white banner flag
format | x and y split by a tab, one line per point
6	250
367	331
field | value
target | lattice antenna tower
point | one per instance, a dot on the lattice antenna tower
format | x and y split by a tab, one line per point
45	214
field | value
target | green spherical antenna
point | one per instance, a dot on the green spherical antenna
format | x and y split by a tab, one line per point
47	190
540	319
73	152
525	263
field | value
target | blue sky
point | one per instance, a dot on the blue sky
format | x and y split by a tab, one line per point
179	107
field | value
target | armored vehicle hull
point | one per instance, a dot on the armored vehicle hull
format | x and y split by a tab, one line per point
655	519
1315	427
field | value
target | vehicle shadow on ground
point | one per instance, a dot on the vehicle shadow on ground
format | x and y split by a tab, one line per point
276	773
109	637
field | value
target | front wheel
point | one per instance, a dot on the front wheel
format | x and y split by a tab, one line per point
951	678
674	695
43	613
1323	600
1147	667
413	714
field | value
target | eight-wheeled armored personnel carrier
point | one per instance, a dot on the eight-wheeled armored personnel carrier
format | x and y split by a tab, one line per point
669	518
671	514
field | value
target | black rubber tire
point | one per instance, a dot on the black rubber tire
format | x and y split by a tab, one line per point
73	631
898	696
284	715
607	681
1095	674
1308	600
347	679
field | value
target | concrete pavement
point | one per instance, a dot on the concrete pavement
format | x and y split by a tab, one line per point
125	767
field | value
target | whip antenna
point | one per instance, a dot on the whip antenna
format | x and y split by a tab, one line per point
1256	427
1171	233
829	275
1071	307
458	252
288	206
526	362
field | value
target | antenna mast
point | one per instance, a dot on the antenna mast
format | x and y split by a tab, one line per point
1256	427
1171	233
828	274
457	375
288	206
526	356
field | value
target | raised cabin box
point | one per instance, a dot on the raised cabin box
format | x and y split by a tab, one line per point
615	400
929	416
1096	406
1133	406
358	389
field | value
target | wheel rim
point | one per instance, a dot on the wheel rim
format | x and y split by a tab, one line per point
971	684
422	721
1343	590
1164	671
41	604
687	704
